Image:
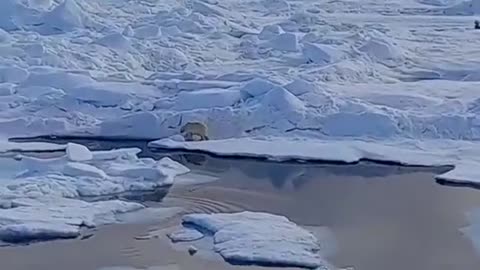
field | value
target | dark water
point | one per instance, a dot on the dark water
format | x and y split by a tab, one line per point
382	217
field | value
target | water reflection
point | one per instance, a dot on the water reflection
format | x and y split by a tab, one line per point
279	174
156	195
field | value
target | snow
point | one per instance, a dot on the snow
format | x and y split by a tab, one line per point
254	238
42	198
342	72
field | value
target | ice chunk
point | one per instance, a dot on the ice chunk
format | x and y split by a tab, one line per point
258	238
25	232
284	42
299	87
270	31
319	53
135	171
12	74
12	14
114	41
128	31
379	47
185	235
81	169
206	99
104	94
207	9
124	153
276	6
66	17
146	31
142	124
257	87
4	36
171	168
34	204
57	79
30	146
78	152
283	100
6	89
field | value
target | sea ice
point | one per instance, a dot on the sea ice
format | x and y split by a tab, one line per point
44	201
369	71
254	237
185	235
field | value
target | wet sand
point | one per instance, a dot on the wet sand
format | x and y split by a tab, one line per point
383	217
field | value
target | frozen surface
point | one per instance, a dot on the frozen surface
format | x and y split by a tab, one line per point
41	199
299	70
460	154
254	237
185	235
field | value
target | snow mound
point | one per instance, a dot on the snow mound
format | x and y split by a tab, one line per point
256	238
114	41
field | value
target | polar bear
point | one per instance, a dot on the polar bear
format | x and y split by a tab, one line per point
194	131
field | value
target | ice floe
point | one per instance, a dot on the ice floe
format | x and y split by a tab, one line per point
47	199
254	238
460	155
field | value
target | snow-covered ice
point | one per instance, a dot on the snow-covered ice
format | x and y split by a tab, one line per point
44	200
351	79
185	235
254	238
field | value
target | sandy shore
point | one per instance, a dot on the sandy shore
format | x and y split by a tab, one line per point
392	221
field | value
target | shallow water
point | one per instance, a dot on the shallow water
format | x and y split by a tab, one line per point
382	217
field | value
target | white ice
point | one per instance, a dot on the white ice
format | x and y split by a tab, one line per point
42	198
255	238
460	154
372	79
